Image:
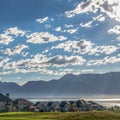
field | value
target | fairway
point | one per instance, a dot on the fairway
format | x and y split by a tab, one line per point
96	115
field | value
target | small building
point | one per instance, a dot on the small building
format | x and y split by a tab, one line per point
55	107
41	106
96	106
6	103
22	104
81	104
65	106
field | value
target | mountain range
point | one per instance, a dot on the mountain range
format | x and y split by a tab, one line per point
68	85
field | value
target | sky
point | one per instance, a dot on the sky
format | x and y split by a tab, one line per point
46	39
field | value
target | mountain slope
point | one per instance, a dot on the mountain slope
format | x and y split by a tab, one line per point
68	85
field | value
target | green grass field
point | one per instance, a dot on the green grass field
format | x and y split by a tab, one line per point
96	115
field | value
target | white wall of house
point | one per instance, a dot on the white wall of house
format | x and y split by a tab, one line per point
2	106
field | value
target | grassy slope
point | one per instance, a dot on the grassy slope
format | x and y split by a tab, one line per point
104	115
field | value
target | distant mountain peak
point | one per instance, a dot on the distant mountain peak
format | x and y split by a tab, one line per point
68	85
67	76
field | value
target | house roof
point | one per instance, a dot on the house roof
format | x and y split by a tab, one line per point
22	101
3	98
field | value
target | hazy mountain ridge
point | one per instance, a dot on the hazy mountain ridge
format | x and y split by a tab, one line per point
68	85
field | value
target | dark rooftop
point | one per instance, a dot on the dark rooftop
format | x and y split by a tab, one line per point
4	98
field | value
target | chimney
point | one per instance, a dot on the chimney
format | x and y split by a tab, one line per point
7	95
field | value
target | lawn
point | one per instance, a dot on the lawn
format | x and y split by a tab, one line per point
94	115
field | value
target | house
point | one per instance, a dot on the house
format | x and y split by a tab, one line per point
55	107
96	106
81	104
22	104
33	108
6	103
49	104
65	106
41	106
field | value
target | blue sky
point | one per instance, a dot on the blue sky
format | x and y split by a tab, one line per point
46	39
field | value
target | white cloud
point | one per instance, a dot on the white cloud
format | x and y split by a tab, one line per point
79	9
97	50
5	39
32	70
39	63
14	31
82	46
52	19
65	60
46	71
42	20
62	72
17	50
25	54
99	18
109	7
43	37
115	29
68	26
48	26
86	25
118	38
86	47
3	62
103	61
71	31
87	71
36	64
83	7
38	60
18	78
58	29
